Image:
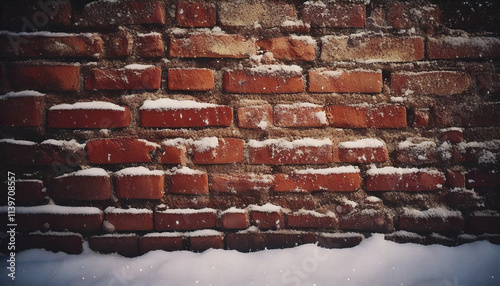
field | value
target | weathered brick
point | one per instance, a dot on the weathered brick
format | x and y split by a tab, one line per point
119	44
67	242
245	241
295	26
171	113
53	77
119	150
334	15
28	190
131	77
368	220
462	47
484	153
196	14
419	117
403	179
254	13
233	219
488	83
455	178
149	45
432	220
191	79
454	135
279	152
265	79
484	222
167	241
257	116
425	83
425	152
51	45
173	152
202	240
103	14
407	15
482	179
127	219
342	179
88	185
241	183
286	239
474	115
218	151
123	244
311	219
184	219
372	48
88	115
300	115
206	45
363	116
339	240
267	216
34	16
322	80
21	109
292	48
363	151
139	183
189	182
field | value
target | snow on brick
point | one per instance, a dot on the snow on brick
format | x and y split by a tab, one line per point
406	234
184	171
341	235
233	210
116	235
91	172
204	233
437	212
164	234
71	144
18	142
267	208
206	144
399	171
362	143
284	144
45	34
187	211
113	210
373	200
23	93
276	69
328	171
421	145
138	171
101	105
315	213
172	104
56	233
486	213
148	143
55	209
138	67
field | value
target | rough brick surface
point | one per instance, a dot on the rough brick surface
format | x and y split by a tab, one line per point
473	115
80	188
149	45
160	242
363	155
118	45
360	116
421	180
406	15
228	150
187	117
202	243
197	14
424	83
102	14
88	118
460	47
299	115
212	46
321	80
275	154
29	191
31	16
249	13
240	183
255	81
311	220
334	182
20	112
59	222
268	220
234	220
119	150
431	223
334	15
368	220
45	77
294	48
189	184
184	221
140	186
259	116
123	221
126	245
190	79
111	79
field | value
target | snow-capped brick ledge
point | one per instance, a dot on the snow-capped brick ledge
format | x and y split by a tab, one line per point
155	123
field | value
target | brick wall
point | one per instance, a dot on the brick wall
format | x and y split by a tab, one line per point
142	125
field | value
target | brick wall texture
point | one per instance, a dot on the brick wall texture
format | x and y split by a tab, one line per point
253	124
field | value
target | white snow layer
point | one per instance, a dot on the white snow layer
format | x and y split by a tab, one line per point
328	171
88	105
138	171
92	172
24	93
374	262
399	171
54	209
362	143
283	144
172	104
113	210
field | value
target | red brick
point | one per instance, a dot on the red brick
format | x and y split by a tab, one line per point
484	222
334	15
51	46
368	220
125	78
264	79
431	221
363	151
377	48
119	44
190	182
426	83
280	152
292	48
321	80
179	219
425	152
241	183
119	150
477	152
123	244
104	14
401	179
455	178
488	83
66	116
473	115
173	153
59	218
245	242
29	191
190	79
203	240
268	220
297	26
311	219
226	151
45	77
233	219
286	239
258	116
406	15
482	179
139	183
33	16
454	135
23	111
197	14
339	240
128	219
70	243
177	114
204	45
331	180
420	117
81	186
254	13
363	116
462	47
160	241
149	45
299	115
